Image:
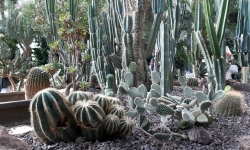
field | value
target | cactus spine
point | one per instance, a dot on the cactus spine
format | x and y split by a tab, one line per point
51	119
232	104
37	80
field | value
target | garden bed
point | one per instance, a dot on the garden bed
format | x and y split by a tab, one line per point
225	132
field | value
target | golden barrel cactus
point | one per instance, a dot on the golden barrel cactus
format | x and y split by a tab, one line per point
37	80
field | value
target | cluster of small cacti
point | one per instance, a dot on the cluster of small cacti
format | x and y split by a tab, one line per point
95	117
232	104
37	80
192	82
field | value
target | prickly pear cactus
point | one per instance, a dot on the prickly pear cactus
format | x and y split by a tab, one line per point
37	80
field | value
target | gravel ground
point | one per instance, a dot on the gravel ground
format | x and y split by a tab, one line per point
225	131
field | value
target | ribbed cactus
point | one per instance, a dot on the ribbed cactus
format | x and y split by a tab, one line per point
114	100
232	104
51	119
126	126
246	75
117	110
93	81
192	82
110	88
103	101
37	80
89	113
111	124
77	96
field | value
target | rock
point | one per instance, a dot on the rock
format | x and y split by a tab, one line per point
200	135
8	142
244	142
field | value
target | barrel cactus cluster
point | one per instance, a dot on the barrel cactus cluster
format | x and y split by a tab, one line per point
57	118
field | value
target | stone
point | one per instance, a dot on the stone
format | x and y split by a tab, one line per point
244	142
200	135
7	142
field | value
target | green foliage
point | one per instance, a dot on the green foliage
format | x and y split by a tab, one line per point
41	53
180	58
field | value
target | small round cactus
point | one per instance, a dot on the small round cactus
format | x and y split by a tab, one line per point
76	96
111	124
114	101
37	80
103	101
117	110
232	104
89	114
126	126
192	82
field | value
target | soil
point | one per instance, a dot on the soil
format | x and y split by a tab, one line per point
225	132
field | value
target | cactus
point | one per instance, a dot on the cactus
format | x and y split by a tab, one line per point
77	96
192	82
245	75
103	101
51	119
126	126
114	101
37	80
93	81
232	104
117	110
110	88
111	124
89	113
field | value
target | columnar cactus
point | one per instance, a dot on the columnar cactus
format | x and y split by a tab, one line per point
245	75
37	80
51	119
110	88
232	104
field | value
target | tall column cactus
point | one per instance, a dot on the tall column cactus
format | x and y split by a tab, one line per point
215	56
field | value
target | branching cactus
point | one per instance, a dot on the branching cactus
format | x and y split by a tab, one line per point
37	80
51	119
